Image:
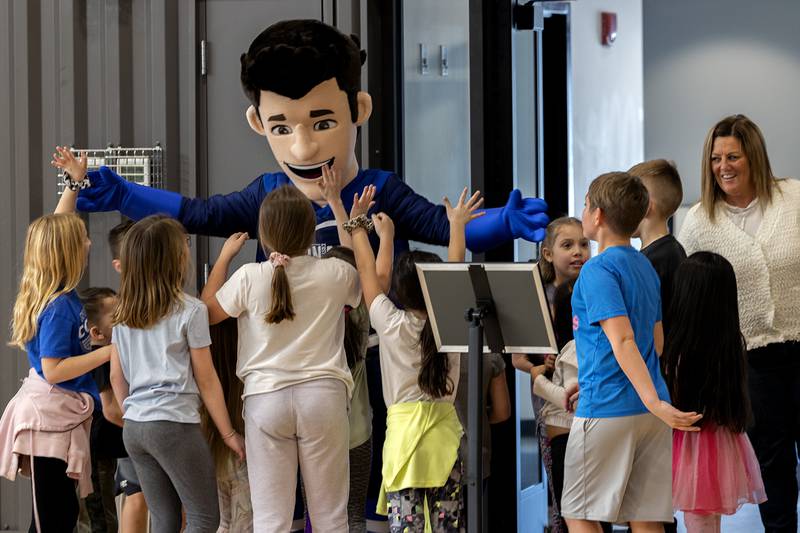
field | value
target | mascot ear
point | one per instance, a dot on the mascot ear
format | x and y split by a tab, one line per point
255	121
364	101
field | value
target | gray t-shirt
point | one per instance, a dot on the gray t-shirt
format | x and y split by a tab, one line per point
157	364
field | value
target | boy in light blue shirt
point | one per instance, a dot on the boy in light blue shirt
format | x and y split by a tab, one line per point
618	466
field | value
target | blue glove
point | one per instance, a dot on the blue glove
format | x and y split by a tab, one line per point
110	192
521	218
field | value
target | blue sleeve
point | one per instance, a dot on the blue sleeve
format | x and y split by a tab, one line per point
605	299
224	215
415	217
57	335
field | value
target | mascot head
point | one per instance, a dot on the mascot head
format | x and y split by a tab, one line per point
303	80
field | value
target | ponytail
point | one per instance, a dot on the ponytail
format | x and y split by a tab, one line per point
433	376
282	308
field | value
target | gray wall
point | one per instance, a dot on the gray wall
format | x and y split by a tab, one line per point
707	59
84	73
607	95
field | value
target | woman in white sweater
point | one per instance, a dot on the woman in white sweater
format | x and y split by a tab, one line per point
753	220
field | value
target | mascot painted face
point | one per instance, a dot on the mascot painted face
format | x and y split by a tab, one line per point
303	79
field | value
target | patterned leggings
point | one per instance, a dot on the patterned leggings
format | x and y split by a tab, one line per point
407	507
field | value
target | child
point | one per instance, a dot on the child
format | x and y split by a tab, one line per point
134	508
497	400
292	362
161	370
663	184
106	437
564	251
235	509
46	425
420	454
356	340
715	470
617	464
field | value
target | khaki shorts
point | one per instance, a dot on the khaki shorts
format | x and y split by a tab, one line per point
618	470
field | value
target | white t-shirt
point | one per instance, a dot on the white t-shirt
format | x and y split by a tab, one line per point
747	219
309	347
400	355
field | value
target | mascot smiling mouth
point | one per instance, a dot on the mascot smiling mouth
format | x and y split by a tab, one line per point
310	172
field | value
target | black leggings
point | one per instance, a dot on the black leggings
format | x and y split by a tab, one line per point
56	497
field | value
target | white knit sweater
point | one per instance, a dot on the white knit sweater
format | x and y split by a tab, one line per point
767	265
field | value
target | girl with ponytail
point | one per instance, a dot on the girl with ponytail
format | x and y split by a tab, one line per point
292	361
420	454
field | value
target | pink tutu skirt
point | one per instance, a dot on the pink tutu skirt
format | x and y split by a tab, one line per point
714	471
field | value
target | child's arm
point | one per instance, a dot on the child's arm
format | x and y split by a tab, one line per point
211	393
500	399
218	275
458	217
620	334
331	186
57	370
365	260
118	382
64	159
111	409
384	227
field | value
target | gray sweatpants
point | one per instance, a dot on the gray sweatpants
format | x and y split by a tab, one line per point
305	423
175	469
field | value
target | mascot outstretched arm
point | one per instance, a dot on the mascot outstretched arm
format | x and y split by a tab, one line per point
302	78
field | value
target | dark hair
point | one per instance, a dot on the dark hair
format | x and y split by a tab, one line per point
704	353
623	199
562	313
663	184
434	368
292	57
224	342
286	224
355	336
115	236
92	300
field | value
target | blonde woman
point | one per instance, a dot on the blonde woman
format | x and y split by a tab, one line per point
45	427
161	371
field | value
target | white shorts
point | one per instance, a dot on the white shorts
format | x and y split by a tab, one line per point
618	470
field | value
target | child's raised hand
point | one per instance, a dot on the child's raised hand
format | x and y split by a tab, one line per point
64	159
363	202
331	184
233	245
384	226
674	418
236	443
463	212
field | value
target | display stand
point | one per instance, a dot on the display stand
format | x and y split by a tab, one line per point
506	310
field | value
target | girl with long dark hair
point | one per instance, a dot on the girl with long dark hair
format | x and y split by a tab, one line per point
420	454
714	471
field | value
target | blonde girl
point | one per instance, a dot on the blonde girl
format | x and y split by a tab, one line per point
161	371
45	427
564	251
291	358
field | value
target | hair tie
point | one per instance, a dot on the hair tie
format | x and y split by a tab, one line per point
278	259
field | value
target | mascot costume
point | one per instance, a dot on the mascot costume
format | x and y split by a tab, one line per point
303	80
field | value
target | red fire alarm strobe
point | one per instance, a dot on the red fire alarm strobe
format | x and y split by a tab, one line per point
609	28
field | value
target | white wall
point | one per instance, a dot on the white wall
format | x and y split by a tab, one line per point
607	93
706	59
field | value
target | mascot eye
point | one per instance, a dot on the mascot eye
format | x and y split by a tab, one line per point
281	130
325	125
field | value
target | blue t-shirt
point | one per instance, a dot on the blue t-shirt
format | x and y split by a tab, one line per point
618	282
62	331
